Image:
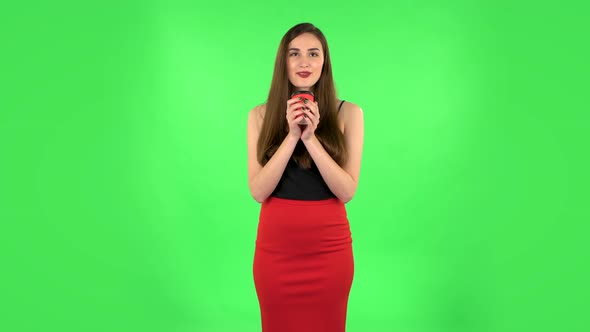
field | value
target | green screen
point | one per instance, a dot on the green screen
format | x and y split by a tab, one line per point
124	201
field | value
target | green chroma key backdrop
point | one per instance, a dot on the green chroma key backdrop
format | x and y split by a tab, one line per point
124	202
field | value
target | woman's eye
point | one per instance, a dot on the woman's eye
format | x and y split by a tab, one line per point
292	54
314	54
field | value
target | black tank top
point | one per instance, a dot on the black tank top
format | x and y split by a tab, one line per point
303	184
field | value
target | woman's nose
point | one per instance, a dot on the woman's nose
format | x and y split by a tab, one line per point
304	63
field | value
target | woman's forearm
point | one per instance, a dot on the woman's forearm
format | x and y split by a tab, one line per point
265	182
337	179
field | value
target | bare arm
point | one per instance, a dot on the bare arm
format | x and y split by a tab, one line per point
342	181
263	180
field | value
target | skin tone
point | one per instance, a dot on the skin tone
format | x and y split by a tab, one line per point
306	55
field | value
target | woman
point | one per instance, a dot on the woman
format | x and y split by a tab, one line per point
303	174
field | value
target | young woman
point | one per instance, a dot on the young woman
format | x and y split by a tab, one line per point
303	174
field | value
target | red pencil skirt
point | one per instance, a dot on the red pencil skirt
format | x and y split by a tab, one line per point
303	265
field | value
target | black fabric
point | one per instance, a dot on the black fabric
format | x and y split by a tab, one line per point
303	184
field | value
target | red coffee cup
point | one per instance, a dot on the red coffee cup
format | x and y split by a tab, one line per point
303	94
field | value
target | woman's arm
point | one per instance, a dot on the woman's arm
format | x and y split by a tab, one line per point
263	180
342	181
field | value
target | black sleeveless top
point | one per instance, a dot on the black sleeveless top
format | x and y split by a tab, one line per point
303	184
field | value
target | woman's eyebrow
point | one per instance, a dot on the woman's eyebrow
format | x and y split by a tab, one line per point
309	49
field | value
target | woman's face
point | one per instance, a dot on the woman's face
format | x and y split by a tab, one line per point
305	59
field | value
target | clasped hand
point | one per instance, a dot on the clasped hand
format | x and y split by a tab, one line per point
310	111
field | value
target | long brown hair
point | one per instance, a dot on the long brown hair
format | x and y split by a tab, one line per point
275	127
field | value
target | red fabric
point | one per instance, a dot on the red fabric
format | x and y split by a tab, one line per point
303	265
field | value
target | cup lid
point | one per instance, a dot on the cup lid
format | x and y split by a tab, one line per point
302	92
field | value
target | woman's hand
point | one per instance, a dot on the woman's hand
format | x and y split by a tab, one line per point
294	114
312	117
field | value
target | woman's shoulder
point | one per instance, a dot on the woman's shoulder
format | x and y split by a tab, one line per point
256	114
349	114
348	106
258	109
349	110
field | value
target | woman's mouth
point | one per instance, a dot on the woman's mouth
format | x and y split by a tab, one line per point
304	74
